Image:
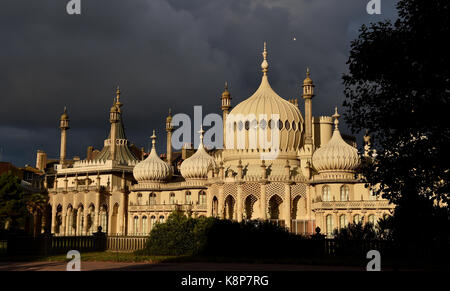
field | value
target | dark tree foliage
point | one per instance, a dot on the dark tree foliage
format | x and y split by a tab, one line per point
398	89
182	235
12	206
16	204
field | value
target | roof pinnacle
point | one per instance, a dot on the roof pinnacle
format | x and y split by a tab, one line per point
153	137
265	64
336	116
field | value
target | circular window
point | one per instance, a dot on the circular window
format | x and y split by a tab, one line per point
294	127
254	124
263	124
240	125
287	125
247	125
271	124
280	124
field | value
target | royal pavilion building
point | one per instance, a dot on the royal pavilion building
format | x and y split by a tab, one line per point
305	177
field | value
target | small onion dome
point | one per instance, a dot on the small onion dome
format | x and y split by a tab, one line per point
226	93
152	169
336	155
64	116
308	80
197	166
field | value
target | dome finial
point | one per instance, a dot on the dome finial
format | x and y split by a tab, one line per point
226	85
153	137
307	72
201	131
117	101
265	64
336	116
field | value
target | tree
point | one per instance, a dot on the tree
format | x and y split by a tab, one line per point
12	201
16	204
398	89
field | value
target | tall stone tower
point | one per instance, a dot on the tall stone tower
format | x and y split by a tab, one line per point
308	94
226	106
64	126
114	117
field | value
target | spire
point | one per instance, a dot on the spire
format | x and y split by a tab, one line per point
153	137
201	132
336	116
264	64
117	101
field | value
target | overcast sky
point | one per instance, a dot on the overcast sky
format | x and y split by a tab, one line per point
162	53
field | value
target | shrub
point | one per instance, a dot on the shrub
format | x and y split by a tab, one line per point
181	235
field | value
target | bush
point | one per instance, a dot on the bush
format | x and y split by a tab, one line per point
181	235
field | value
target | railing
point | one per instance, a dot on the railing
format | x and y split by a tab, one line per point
51	245
278	222
303	227
126	243
368	204
168	207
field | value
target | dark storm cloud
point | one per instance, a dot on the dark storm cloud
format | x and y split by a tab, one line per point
163	53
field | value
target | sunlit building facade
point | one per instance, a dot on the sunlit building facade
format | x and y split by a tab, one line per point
295	170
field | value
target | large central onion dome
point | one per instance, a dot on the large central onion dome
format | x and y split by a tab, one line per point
196	167
336	155
152	169
265	109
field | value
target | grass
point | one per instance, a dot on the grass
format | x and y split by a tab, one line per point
93	256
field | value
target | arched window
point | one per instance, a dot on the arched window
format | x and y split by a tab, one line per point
104	221
135	224
287	125
172	198
161	219
371	219
343	221
344	193
69	220
326	195
330	226
202	197
356	219
144	225
294	125
152	199
188	197
152	221
139	198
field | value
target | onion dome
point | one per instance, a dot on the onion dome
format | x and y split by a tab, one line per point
64	116
265	108
336	155
152	169
197	166
308	80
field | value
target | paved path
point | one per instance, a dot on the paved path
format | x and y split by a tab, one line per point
118	266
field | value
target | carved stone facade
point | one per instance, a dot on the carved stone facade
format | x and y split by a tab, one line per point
310	182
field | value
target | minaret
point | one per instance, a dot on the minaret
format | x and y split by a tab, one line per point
64	126
169	129
308	94
114	116
226	106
